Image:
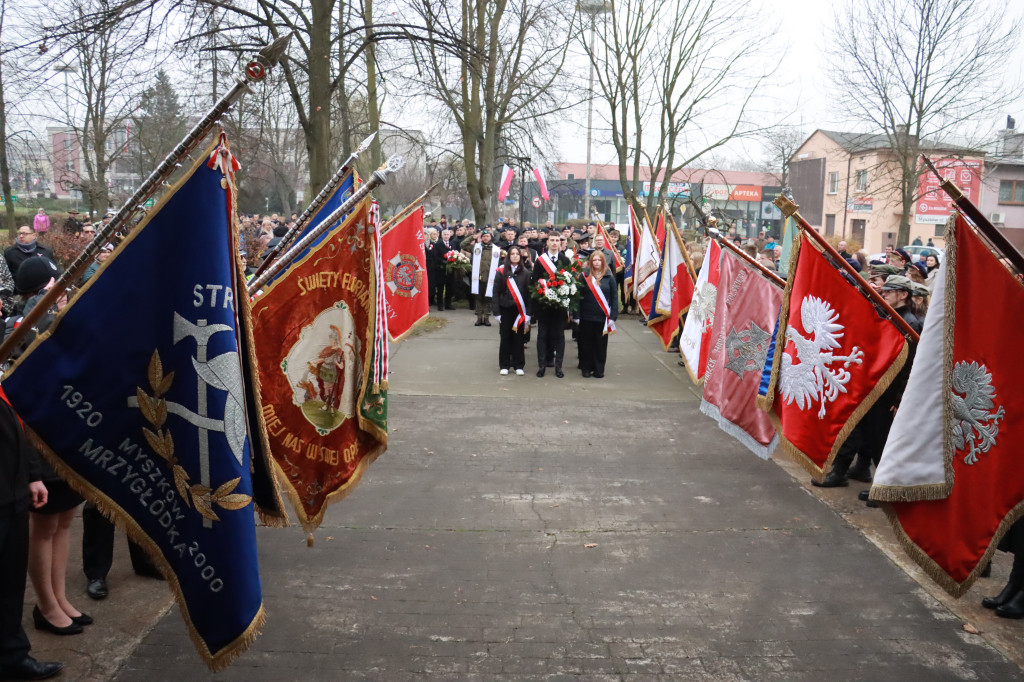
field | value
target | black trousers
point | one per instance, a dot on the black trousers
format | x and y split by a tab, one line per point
593	344
620	280
444	289
14	645
550	337
98	546
866	441
511	354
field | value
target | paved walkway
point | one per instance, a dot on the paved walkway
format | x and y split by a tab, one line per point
576	529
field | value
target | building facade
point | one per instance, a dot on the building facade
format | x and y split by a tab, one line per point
847	186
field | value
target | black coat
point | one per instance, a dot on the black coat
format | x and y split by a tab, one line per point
18	464
503	297
588	309
15	256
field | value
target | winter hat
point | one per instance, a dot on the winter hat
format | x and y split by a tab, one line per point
34	274
898	283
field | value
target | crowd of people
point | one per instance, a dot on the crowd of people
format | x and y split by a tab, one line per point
498	272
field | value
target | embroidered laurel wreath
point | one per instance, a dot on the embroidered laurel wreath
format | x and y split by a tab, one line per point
154	409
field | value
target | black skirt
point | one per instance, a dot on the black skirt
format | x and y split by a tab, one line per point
59	498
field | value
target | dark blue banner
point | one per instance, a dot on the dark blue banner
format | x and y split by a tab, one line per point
137	391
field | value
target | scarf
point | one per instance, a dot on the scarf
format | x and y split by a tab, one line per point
495	257
27	248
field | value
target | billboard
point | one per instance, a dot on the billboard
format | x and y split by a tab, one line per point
934	206
679	190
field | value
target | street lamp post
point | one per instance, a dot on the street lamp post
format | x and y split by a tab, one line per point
592	9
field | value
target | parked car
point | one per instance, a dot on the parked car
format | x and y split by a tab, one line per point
916	253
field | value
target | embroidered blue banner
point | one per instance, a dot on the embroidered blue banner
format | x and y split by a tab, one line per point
136	391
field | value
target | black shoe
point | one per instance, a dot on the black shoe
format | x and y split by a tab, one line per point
862	475
863	495
540	372
82	619
586	374
46	626
832	480
1008	593
449	307
559	373
1014	608
97	588
872	504
29	668
598	375
487	323
478	323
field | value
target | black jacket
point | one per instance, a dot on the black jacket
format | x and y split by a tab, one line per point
15	256
587	309
19	464
503	297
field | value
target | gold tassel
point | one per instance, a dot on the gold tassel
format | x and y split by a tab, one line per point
309	540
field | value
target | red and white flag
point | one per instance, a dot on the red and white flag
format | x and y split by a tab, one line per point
659	228
645	271
695	339
951	466
745	315
673	289
506	182
838	356
617	262
405	275
542	183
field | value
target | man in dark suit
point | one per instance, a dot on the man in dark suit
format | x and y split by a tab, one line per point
550	321
446	280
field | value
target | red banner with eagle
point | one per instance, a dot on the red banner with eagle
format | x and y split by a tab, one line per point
405	274
315	347
838	356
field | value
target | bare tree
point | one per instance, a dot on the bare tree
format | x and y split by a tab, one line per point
107	68
507	79
779	145
675	83
925	73
5	170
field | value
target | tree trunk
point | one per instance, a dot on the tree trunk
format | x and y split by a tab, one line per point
318	134
372	105
5	171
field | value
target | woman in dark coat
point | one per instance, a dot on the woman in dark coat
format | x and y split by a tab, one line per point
506	309
596	315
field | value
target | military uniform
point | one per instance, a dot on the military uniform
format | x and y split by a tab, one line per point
481	300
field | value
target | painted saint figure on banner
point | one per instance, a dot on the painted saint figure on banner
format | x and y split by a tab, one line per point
323	369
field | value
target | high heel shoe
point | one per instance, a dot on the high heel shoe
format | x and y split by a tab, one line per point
82	619
46	626
1006	595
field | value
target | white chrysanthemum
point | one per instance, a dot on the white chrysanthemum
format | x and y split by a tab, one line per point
564	290
552	294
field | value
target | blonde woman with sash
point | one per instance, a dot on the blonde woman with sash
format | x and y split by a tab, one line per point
511	304
596	313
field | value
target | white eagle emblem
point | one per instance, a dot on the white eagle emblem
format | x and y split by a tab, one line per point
703	306
814	379
975	426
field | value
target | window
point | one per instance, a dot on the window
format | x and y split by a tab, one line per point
862	181
1011	191
570	176
833	182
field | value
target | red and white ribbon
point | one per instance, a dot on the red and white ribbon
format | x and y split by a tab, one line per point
223	158
520	303
595	288
380	335
545	260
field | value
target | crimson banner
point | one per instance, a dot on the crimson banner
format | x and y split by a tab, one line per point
405	275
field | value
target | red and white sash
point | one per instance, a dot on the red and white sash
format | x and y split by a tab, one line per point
595	288
520	303
545	260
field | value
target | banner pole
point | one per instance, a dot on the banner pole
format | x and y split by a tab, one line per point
379	177
314	206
